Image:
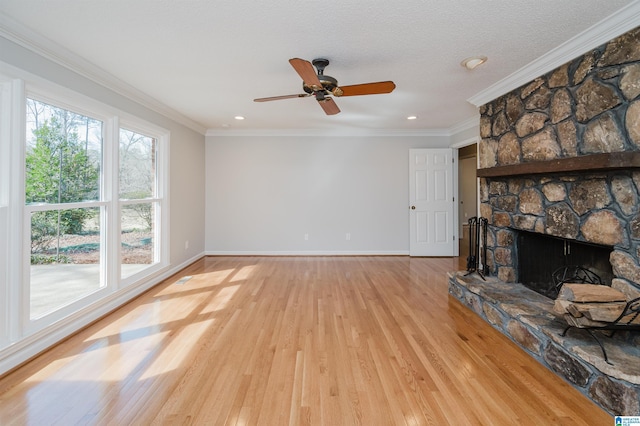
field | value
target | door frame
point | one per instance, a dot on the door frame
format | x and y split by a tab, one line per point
457	146
454	209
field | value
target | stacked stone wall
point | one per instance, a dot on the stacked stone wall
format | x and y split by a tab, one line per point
590	105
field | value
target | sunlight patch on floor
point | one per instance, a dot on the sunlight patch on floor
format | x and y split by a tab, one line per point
221	300
243	273
209	279
110	359
170	360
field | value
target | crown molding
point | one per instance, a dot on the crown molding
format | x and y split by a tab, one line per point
328	132
609	28
470	123
42	46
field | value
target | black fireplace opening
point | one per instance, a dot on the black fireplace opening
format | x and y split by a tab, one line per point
540	256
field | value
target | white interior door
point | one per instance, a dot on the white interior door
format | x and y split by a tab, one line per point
431	199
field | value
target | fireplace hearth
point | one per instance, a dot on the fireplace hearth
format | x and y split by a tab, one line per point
528	319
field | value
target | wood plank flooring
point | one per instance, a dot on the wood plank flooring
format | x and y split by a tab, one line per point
294	341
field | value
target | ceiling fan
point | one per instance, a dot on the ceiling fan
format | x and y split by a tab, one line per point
322	86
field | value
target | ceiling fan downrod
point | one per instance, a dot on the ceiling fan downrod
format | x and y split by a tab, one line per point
320	64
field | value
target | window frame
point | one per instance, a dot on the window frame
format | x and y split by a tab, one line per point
11	138
64	100
108	203
161	216
5	154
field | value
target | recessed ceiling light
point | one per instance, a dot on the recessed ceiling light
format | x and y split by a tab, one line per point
239	117
412	117
473	62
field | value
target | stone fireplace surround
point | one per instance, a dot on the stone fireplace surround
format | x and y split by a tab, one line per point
561	156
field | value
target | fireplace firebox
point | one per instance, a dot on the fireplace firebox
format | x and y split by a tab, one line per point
541	256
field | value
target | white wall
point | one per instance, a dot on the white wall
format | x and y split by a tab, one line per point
265	193
187	194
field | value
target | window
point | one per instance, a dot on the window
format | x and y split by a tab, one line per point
139	202
83	211
94	207
63	163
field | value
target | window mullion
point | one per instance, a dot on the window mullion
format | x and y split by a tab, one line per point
110	195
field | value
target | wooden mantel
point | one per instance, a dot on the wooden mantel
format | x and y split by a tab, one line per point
585	163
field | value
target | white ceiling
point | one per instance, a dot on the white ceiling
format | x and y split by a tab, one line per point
208	60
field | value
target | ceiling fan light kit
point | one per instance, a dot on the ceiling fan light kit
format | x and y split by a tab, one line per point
322	87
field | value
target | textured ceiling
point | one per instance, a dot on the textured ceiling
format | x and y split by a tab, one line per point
208	59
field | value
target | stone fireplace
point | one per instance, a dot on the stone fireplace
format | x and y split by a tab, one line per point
560	157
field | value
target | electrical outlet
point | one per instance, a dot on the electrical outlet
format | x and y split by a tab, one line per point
186	245
348	236
306	237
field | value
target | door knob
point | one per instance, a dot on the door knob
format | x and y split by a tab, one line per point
413	207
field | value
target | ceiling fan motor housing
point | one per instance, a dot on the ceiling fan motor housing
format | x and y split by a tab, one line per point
329	84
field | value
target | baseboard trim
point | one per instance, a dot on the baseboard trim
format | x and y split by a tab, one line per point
305	253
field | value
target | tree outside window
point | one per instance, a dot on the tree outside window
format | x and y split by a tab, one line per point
62	166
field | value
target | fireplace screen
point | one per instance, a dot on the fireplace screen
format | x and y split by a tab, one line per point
541	256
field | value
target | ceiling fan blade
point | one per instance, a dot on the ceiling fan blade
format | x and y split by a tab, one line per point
329	106
275	98
366	89
306	71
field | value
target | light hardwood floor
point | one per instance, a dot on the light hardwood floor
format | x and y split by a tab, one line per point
294	341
